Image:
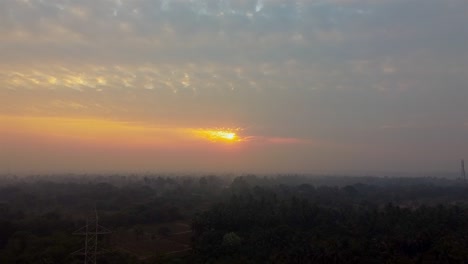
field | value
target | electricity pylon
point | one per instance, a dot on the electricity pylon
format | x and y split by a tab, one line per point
91	231
462	170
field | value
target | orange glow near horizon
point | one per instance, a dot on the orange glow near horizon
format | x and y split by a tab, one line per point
114	132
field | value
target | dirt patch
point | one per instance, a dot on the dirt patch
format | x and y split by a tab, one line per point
147	241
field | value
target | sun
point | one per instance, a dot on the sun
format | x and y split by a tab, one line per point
219	135
224	135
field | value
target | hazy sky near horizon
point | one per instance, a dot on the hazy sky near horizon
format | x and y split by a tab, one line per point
306	86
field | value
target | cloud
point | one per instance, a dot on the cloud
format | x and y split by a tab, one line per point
289	72
139	31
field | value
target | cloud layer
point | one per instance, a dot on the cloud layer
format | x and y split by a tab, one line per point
365	81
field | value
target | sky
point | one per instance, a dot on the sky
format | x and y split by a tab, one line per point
233	86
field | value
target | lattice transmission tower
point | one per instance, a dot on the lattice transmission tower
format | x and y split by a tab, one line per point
91	231
462	170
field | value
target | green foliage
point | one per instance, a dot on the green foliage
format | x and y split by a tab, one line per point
39	214
231	239
291	219
279	227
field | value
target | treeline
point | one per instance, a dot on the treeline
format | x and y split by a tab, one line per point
246	219
38	215
304	224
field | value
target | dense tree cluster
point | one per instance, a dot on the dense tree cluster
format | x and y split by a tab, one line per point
352	224
247	219
39	214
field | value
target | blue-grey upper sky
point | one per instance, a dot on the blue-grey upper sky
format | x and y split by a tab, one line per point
306	86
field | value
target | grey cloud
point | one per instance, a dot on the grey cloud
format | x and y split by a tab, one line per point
332	29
